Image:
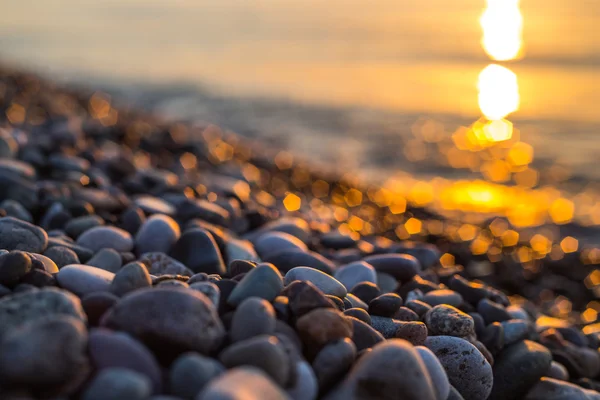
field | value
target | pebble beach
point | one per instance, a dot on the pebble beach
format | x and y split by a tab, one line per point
142	259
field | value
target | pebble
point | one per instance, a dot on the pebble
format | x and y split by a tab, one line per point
83	253
148	315
515	330
247	383
406	314
383	374
436	372
449	321
208	289
492	312
518	367
21	308
333	361
13	267
96	304
157	234
354	273
118	384
109	349
264	352
401	266
83	279
198	251
161	264
48	353
306	386
16	210
553	389
364	336
77	226
240	250
296	227
131	277
191	372
355	302
385	305
106	259
467	369
273	242
443	296
49	265
285	260
106	237
321	326
558	371
420	308
386	282
21	235
264	281
326	283
359	313
253	317
62	256
154	205
366	291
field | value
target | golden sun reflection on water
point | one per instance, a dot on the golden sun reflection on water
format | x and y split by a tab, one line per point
498	92
502	25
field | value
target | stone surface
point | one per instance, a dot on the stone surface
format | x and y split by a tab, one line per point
148	314
131	277
109	349
106	259
198	251
106	237
287	259
247	383
273	242
20	235
161	264
264	281
322	326
157	234
13	267
449	321
62	256
467	369
83	279
392	370
47	353
352	274
21	308
264	352
326	283
255	316
436	372
518	367
118	384
401	266
191	372
333	361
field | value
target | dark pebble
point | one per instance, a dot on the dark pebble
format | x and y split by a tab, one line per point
385	305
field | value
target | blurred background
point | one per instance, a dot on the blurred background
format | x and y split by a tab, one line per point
462	105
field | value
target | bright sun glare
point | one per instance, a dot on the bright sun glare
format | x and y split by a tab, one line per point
502	25
498	92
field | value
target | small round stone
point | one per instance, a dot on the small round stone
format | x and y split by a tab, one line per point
449	321
118	384
106	237
436	372
148	314
364	336
161	264
110	349
247	383
264	352
326	283
354	273
321	326
158	234
385	305
333	361
467	369
406	314
106	259
20	235
46	353
253	317
132	276
558	371
442	296
306	386
191	372
401	266
359	313
287	259
208	289
383	373
492	312
264	281
62	256
366	291
96	304
83	279
13	267
197	250
273	242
